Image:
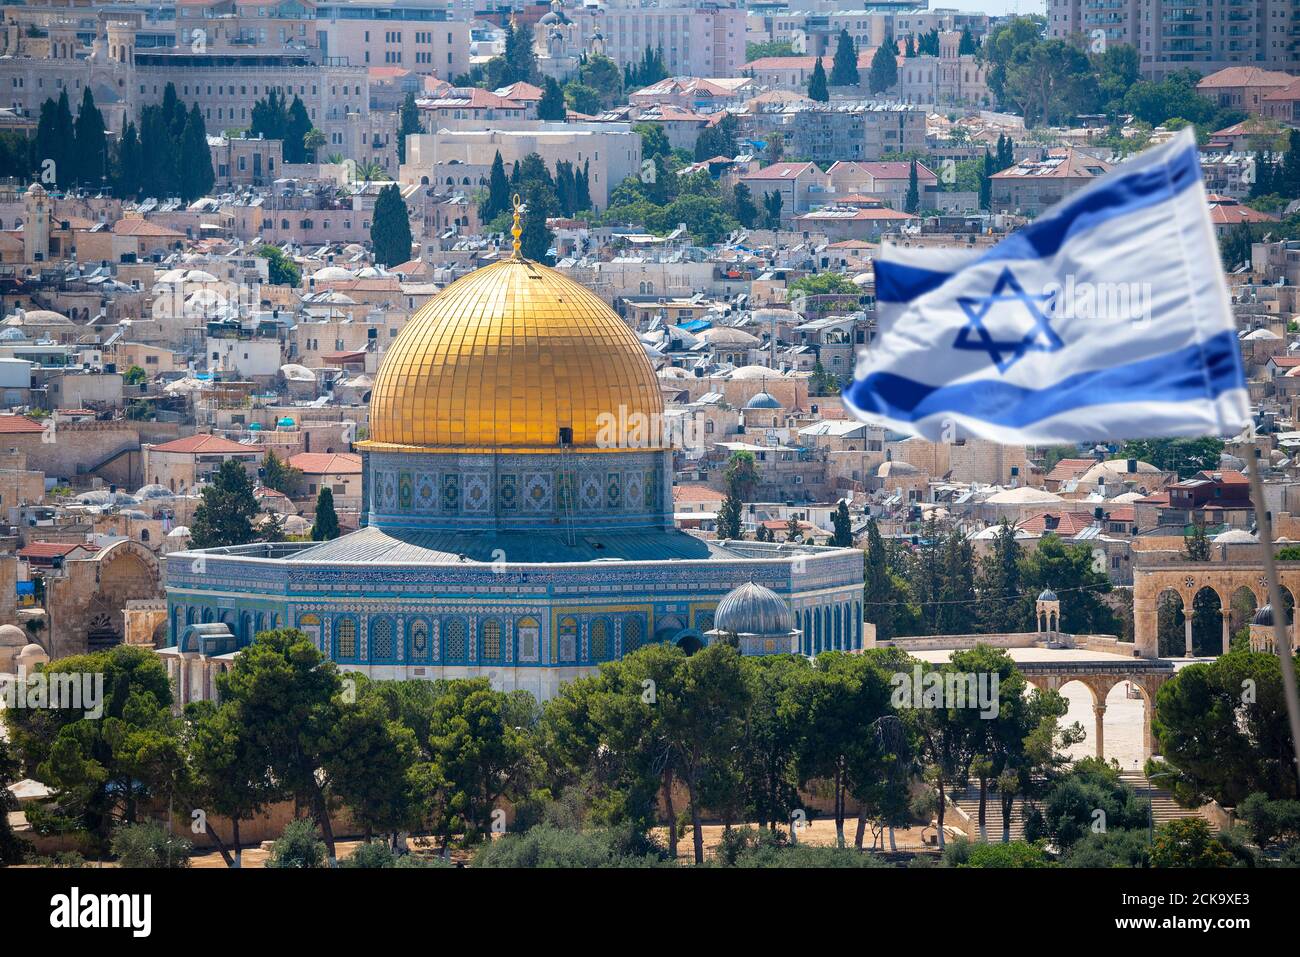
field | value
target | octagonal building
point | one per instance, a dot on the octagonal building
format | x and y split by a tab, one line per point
517	520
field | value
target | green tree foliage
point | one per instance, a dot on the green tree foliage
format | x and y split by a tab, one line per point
1017	854
844	69
149	845
390	230
410	125
326	525
730	519
225	516
967	46
1271	823
1068	569
12	848
884	68
551	106
717	139
103	769
127	177
769	48
817	86
281	269
912	203
550	846
843	537
280	476
298	846
1068	810
498	198
999	585
651	69
1188	842
195	163
1222	729
91	144
1184	456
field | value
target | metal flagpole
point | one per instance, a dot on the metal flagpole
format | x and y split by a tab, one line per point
1281	639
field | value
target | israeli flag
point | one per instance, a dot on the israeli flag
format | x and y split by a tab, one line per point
1107	317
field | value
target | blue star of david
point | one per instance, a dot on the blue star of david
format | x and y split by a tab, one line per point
1004	353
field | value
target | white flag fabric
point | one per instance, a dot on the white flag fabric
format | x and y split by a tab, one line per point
1107	317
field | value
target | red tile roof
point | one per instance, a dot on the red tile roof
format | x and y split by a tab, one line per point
696	493
202	443
15	424
1069	468
327	463
1068	523
48	549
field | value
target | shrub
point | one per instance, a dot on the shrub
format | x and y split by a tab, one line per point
149	845
1117	848
548	846
298	846
379	854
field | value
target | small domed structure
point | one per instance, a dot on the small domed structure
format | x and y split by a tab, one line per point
1265	616
1263	636
12	641
758	617
31	656
1047	595
764	400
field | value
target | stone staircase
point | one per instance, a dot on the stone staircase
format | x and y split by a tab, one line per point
1163	806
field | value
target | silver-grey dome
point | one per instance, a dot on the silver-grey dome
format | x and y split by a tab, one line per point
752	610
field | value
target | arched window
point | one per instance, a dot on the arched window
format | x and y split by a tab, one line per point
568	639
839	631
345	631
600	644
419	640
381	639
857	624
528	632
633	634
492	640
455	643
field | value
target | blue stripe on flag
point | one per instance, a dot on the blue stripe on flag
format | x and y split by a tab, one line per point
1126	193
1197	372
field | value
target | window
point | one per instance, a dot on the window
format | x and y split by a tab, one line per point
528	631
381	639
454	646
420	640
492	640
599	640
568	639
346	630
633	634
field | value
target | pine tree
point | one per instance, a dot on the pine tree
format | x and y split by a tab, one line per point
551	106
913	200
225	516
91	143
1196	547
195	167
909	48
127	184
884	69
326	524
844	69
158	151
967	45
536	239
390	230
520	60
817	88
772	207
65	138
843	537
410	125
1287	177
955	615
173	114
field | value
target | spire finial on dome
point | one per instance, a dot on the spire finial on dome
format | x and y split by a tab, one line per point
516	230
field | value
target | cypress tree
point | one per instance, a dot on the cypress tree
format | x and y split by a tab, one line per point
195	168
551	106
225	516
91	144
498	197
817	88
844	70
128	164
410	125
843	523
390	230
884	68
326	525
298	126
913	201
582	187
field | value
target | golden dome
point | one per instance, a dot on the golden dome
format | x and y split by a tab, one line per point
503	359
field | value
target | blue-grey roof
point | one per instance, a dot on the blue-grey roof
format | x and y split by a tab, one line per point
384	546
751	609
764	400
